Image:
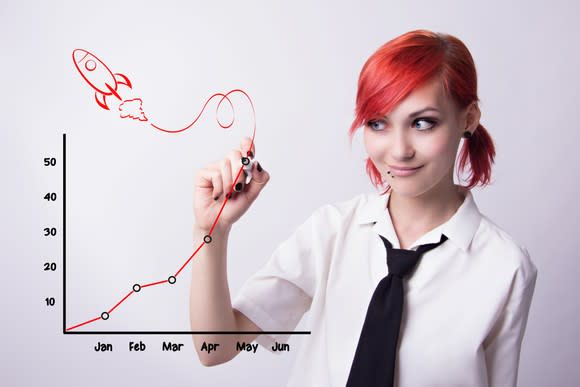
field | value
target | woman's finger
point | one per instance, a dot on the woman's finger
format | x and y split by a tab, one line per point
226	175
235	157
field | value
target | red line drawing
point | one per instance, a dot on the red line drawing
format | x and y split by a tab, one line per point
132	108
119	303
99	76
105	83
186	262
84	323
154	283
223	97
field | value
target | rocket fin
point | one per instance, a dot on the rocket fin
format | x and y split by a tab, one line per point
123	80
102	101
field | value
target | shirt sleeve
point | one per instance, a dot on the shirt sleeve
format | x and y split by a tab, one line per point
503	344
276	297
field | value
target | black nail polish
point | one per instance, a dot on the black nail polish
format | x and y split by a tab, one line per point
238	187
216	198
259	167
251	154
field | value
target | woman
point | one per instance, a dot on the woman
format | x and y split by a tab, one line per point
466	302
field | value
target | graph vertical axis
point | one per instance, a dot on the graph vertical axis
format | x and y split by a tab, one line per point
64	233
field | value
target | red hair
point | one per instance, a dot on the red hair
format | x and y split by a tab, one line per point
407	62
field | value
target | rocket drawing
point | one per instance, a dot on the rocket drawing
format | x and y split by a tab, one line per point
99	76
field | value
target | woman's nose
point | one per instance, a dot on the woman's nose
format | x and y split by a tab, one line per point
402	145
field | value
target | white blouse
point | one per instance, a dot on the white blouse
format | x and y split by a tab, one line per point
466	302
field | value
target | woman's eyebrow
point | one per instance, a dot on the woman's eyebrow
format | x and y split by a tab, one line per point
422	111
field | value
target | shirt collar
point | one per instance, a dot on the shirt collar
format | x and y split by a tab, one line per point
460	228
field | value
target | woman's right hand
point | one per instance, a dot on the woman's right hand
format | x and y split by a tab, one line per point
216	180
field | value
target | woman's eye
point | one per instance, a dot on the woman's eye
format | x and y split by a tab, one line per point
376	124
429	121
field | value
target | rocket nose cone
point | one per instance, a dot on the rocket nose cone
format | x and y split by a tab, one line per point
79	55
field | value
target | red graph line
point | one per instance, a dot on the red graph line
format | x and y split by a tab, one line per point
154	283
119	303
224	96
81	324
189	260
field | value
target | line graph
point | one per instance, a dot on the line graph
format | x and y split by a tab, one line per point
137	288
108	87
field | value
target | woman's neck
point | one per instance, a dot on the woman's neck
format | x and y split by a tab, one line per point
420	214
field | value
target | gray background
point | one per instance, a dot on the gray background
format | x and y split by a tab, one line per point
130	187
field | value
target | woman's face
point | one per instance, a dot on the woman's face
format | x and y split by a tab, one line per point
428	140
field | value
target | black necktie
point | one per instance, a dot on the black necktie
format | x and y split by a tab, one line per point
374	360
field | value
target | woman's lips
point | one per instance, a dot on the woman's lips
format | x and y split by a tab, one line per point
403	172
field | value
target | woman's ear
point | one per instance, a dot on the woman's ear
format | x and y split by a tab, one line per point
472	116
